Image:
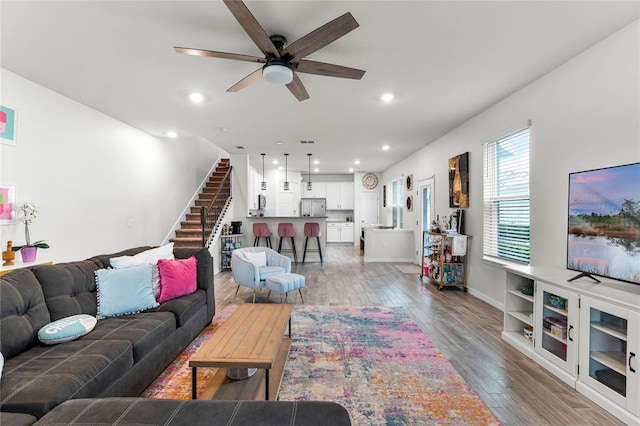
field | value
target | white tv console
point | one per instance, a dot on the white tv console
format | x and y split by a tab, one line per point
585	333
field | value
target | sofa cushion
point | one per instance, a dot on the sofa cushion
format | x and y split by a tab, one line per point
69	288
16	419
66	329
124	291
184	307
146	257
104	260
109	411
37	380
23	311
177	277
144	331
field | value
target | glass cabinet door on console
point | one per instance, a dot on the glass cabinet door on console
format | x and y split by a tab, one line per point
609	349
556	338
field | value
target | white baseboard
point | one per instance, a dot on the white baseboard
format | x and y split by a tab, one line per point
388	259
486	299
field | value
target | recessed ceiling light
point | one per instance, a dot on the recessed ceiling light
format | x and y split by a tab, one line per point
274	162
316	162
196	97
278	142
316	170
385	147
171	134
351	170
356	162
280	168
386	97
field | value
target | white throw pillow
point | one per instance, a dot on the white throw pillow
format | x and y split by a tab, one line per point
259	259
147	257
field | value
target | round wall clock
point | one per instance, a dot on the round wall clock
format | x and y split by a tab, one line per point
369	181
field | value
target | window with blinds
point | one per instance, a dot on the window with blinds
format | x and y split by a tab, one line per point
506	218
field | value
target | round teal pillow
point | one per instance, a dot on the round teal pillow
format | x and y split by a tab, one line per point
66	329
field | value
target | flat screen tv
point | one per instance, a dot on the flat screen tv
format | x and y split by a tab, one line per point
604	223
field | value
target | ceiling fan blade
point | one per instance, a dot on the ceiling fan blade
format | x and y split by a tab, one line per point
223	55
322	36
330	70
297	88
251	78
252	27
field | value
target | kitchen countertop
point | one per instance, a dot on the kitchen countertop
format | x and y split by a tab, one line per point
287	217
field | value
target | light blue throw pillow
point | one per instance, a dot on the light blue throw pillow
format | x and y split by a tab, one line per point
124	291
66	329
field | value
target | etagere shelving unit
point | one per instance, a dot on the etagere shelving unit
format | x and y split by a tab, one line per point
439	263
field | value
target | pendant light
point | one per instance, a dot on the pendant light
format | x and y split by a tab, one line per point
263	184
309	184
286	181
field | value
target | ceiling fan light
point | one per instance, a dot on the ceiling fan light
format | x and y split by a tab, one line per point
277	74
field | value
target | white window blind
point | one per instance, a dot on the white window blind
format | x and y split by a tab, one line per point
506	218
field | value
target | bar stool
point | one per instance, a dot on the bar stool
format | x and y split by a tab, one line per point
312	229
261	229
285	230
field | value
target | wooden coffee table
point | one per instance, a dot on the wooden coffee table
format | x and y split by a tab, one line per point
252	337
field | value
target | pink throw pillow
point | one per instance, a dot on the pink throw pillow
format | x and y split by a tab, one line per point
177	278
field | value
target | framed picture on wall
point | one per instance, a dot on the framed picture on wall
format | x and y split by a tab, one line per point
7	204
8	120
459	181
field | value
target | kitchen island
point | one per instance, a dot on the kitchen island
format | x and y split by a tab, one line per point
298	225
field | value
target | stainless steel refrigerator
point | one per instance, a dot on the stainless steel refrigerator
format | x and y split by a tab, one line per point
313	207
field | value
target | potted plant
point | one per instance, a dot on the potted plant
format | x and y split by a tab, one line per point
29	250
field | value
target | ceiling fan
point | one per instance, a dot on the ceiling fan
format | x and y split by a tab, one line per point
283	62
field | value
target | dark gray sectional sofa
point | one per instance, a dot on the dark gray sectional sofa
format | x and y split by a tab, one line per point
120	357
89	380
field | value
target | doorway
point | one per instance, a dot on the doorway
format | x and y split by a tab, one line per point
427	212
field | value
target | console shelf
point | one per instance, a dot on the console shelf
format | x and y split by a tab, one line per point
585	333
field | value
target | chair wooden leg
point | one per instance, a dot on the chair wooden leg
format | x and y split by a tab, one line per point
237	289
254	296
280	299
301	297
268	295
286	296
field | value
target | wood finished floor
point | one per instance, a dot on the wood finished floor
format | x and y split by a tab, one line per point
465	329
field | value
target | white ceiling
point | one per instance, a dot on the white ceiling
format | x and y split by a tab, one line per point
446	61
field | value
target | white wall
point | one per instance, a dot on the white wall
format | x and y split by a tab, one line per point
585	114
90	174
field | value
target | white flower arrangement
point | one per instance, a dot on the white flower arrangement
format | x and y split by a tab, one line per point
29	211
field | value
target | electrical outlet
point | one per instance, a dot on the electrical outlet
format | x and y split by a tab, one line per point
130	223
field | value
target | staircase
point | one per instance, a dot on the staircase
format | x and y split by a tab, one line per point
207	211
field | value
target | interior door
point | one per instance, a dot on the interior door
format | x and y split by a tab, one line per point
427	210
369	207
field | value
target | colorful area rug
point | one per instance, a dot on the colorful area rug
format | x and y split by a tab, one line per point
375	361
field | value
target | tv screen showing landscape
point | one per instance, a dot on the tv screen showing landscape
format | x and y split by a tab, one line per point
604	222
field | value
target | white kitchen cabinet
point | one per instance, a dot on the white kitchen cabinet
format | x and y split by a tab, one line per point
609	349
340	196
556	330
346	232
318	190
339	232
333	232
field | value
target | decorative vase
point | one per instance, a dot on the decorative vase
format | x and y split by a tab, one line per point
28	254
9	255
